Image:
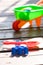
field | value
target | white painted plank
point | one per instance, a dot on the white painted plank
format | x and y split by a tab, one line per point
28	60
9	5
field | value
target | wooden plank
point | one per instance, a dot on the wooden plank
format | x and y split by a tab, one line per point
28	60
29	33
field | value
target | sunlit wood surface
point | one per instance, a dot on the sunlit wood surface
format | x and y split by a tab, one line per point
6	19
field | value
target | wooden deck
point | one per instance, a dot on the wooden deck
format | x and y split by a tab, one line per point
29	33
6	32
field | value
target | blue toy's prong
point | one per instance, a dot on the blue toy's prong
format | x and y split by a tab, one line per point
26	51
14	50
21	49
17	48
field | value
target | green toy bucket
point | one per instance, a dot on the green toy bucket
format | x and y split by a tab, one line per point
28	12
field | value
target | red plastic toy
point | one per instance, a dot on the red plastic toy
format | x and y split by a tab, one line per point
30	44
